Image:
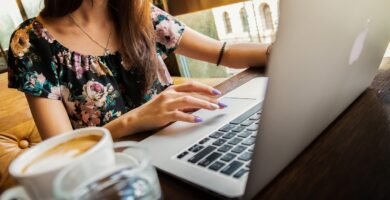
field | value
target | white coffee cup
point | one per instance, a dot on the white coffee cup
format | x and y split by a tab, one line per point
39	184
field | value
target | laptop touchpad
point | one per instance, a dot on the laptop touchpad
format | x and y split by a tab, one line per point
253	89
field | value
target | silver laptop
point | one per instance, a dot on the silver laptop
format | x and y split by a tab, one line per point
325	56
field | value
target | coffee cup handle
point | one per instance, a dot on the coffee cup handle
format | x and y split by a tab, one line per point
17	192
121	146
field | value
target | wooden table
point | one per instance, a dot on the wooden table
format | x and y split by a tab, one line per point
349	160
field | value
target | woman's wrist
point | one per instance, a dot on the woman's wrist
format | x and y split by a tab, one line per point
123	125
268	51
258	56
245	55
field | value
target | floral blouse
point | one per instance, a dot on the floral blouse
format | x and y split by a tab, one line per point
94	89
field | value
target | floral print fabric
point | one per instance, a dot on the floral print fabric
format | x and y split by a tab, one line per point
94	89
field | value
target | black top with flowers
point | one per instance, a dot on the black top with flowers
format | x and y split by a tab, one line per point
93	89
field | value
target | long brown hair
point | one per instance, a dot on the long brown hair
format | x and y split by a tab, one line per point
133	22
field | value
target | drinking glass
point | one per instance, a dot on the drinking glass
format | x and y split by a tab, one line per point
132	177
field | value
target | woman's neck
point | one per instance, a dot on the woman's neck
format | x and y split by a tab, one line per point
92	18
95	11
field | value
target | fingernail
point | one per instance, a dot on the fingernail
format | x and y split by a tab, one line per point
214	106
222	105
198	119
216	92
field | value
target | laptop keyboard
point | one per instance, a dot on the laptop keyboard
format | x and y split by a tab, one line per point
229	150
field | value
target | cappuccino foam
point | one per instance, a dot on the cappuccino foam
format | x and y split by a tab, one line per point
62	154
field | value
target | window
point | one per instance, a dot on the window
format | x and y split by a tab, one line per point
228	25
11	16
10	19
203	22
266	13
221	23
387	54
12	13
244	20
32	7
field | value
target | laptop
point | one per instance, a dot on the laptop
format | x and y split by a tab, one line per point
325	55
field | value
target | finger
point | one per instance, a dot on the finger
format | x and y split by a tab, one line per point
206	98
189	110
172	94
198	87
180	116
185	102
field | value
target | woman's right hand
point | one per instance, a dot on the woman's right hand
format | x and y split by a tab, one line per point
171	105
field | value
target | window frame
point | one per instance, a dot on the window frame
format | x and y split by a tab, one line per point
267	18
244	20
228	23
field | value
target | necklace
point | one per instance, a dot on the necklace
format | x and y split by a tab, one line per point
105	48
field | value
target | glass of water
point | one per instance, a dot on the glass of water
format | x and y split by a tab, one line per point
133	177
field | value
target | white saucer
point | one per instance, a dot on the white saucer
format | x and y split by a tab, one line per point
17	192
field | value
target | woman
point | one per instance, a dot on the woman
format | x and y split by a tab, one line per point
99	63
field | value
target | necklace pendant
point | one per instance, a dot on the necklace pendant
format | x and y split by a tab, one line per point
106	52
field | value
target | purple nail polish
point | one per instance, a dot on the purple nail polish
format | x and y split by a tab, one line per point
216	92
222	105
198	119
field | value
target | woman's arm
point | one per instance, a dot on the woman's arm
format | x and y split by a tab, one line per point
169	106
201	47
51	118
49	115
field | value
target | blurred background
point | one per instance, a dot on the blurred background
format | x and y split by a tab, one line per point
226	20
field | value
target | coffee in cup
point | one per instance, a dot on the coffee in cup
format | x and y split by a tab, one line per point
61	154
